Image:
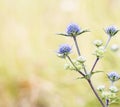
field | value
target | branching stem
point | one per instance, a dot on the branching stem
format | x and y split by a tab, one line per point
97	59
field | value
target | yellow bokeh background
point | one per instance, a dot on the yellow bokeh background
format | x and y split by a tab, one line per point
31	75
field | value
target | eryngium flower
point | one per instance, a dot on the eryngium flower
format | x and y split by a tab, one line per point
111	30
113	76
73	29
64	50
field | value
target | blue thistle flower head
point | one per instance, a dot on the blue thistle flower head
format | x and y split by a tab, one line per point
111	30
64	50
73	29
113	76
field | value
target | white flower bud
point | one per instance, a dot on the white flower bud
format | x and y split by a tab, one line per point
98	43
81	59
101	88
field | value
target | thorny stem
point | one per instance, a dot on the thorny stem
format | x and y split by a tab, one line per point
91	85
75	66
97	59
78	51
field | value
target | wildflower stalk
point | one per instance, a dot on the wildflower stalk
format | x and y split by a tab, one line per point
89	81
97	59
78	51
73	31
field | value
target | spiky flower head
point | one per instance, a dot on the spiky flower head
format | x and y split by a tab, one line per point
111	30
73	29
113	76
64	50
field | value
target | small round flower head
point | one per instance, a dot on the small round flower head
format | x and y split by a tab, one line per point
113	89
64	49
81	59
73	29
98	43
113	76
114	47
111	30
101	88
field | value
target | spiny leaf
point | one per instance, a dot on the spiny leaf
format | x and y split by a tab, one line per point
62	34
96	72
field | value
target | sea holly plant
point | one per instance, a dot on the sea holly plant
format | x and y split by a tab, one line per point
104	96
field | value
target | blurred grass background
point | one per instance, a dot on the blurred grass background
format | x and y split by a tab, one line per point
31	75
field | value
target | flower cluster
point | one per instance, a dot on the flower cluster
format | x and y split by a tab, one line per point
73	29
111	94
78	64
113	76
